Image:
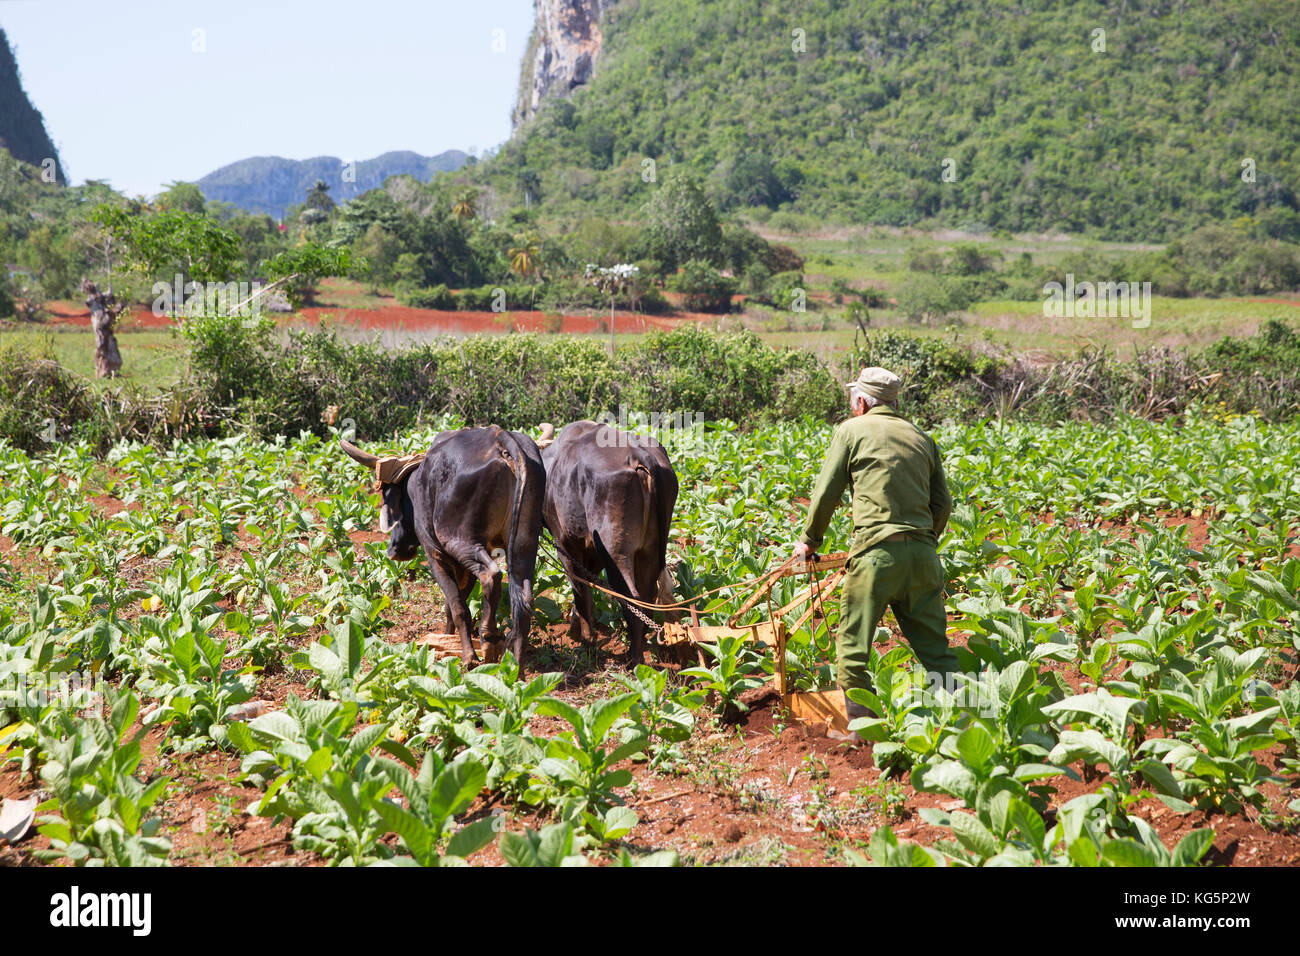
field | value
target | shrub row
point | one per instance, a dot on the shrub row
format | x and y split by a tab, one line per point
251	378
1256	375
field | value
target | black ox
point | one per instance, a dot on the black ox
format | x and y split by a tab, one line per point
474	500
609	503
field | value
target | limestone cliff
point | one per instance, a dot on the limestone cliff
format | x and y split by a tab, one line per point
561	53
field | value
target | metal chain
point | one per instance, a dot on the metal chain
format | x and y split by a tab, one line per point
591	579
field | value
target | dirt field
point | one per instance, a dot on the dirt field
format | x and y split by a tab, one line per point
764	791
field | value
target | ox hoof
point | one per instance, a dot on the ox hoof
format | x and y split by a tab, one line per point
492	649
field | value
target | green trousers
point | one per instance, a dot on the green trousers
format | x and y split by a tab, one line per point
907	577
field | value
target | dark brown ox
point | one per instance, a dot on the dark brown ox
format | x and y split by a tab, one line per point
474	502
609	502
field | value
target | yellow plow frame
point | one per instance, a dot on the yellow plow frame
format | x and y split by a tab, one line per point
823	706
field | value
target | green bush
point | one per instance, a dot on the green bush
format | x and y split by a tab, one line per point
742	249
1217	260
919	259
512	297
757	280
652	302
251	377
562	295
703	288
970	259
680	222
927	298
41	402
730	375
784	290
437	297
939	378
231	358
476	300
782	258
1259	374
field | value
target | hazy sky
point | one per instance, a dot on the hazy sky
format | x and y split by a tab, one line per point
131	93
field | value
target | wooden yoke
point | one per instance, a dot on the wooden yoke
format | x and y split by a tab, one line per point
393	468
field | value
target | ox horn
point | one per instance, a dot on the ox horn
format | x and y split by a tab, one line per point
356	454
548	435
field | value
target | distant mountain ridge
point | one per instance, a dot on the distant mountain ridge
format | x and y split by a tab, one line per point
271	184
22	128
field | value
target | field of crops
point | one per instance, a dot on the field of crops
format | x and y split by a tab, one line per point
206	657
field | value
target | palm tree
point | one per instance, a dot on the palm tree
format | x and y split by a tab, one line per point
526	255
465	205
526	259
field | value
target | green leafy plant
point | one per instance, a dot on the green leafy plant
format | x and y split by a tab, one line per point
732	673
325	780
437	794
101	809
185	673
579	773
668	720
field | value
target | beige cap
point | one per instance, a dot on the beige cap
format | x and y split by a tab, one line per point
879	383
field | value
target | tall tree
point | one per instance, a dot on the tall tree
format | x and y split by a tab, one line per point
681	223
318	197
526	255
185	197
465	206
530	184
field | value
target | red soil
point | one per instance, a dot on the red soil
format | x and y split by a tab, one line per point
435	320
72	313
414	320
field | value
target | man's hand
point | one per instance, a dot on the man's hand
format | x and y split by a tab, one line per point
802	552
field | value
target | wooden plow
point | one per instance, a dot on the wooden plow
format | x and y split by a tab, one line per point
823	706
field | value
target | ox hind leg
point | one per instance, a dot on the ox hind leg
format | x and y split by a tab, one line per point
480	566
647	585
582	621
523	575
454	582
623	579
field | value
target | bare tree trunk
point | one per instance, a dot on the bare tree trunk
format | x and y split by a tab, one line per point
104	310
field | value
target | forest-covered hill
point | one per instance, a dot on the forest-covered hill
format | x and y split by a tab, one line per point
854	111
22	128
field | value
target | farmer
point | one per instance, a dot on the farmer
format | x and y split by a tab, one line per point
900	505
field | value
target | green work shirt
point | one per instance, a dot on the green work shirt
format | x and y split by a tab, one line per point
895	474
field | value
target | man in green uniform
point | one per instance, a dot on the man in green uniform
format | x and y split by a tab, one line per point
900	506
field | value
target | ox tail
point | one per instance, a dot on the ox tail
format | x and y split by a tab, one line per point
659	500
661	495
652	516
521	561
648	518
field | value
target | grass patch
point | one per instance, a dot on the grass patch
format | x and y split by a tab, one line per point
151	359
